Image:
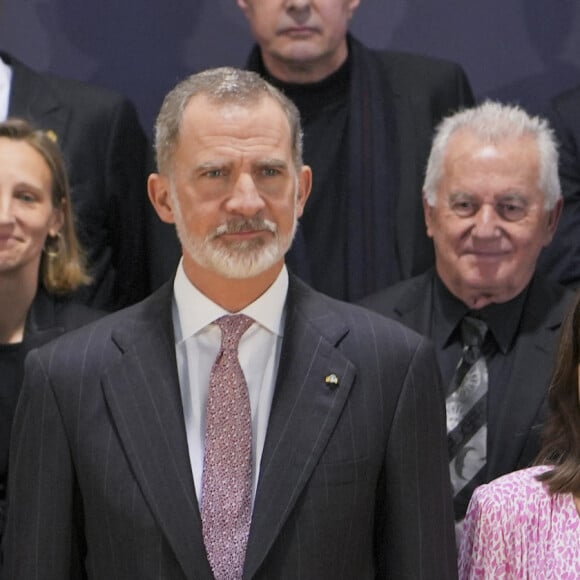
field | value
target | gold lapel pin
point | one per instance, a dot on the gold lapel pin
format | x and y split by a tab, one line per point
331	379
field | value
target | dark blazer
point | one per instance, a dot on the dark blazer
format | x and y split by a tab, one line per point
353	479
51	316
560	261
106	152
48	318
519	418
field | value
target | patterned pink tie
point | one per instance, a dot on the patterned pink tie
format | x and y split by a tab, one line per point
227	466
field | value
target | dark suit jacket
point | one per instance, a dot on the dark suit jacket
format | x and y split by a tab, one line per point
106	153
560	261
353	480
519	417
48	318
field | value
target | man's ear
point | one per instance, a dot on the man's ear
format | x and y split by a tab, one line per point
243	5
304	188
428	211
352	6
553	220
160	196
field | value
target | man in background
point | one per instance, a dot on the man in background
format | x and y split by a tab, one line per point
492	202
368	118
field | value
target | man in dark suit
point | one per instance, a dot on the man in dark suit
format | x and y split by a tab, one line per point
561	260
110	462
106	152
368	118
492	201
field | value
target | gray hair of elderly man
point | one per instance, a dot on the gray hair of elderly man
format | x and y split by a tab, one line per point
494	122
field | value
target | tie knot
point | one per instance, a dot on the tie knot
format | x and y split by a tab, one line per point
233	327
473	331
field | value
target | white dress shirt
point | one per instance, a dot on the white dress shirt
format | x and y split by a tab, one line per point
197	343
5	85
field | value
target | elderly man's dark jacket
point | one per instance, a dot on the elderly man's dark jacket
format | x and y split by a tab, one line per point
521	408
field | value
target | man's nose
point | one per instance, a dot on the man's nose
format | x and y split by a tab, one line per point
298	6
486	222
245	199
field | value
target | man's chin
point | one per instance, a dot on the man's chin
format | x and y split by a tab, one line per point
478	295
242	247
243	266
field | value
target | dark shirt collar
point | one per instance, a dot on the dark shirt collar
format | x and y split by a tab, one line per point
310	98
503	319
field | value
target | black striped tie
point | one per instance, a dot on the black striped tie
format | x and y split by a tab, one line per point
467	416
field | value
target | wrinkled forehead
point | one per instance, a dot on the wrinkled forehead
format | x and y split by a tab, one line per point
206	110
490	171
226	133
467	144
232	100
514	158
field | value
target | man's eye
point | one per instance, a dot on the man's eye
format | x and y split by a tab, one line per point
511	211
214	173
464	208
270	171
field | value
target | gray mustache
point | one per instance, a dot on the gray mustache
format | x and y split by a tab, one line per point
245	225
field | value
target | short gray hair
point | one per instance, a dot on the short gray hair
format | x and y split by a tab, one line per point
495	122
220	85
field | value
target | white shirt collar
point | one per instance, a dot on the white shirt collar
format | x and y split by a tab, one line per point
193	310
5	85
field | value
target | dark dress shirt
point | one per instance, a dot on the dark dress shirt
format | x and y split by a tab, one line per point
503	321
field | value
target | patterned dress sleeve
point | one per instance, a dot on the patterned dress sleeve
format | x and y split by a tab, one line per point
486	550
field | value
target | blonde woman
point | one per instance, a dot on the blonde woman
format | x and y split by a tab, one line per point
40	262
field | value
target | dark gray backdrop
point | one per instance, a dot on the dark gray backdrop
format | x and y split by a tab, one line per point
516	50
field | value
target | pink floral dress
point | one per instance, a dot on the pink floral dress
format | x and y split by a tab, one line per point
515	529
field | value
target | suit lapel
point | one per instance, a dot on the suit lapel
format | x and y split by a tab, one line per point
522	400
415	306
304	413
142	391
409	186
415	250
41	325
